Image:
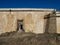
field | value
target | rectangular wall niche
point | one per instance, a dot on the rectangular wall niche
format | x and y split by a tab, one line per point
20	25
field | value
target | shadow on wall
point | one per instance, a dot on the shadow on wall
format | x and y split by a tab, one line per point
50	23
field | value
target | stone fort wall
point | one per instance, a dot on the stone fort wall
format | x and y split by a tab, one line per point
33	19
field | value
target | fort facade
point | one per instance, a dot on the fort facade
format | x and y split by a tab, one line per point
36	20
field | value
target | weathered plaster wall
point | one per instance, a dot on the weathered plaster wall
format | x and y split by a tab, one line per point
52	24
58	22
3	21
32	21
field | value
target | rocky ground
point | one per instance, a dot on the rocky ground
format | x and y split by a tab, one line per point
22	38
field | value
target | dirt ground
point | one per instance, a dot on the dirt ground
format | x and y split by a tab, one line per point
22	38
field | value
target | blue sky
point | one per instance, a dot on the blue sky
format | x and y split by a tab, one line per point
30	4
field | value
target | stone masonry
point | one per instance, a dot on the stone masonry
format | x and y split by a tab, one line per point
33	20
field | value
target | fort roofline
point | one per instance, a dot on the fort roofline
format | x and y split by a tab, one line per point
26	9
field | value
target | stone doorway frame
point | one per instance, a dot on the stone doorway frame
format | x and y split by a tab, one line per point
20	25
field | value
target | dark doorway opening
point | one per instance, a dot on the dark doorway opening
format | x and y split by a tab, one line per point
20	25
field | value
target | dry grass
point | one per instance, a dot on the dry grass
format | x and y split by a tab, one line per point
16	38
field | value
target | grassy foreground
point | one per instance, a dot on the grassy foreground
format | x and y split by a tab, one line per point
22	38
